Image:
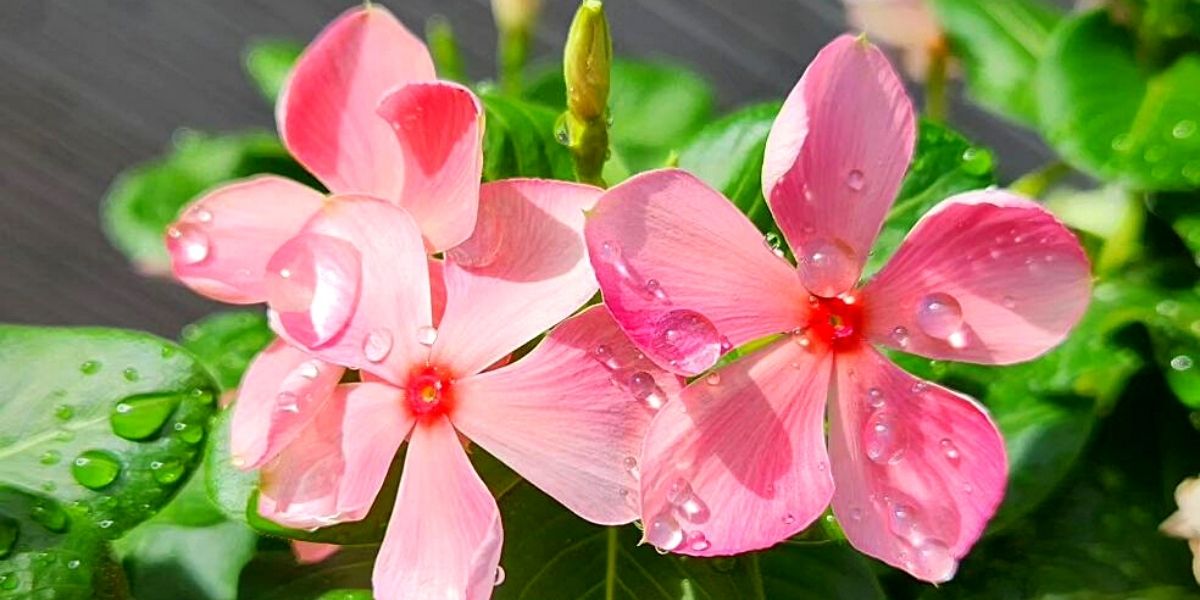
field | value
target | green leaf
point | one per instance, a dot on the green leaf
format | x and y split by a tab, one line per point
275	575
1109	115
519	141
144	200
944	163
268	64
166	561
229	488
728	155
817	571
108	423
999	44
1182	212
227	342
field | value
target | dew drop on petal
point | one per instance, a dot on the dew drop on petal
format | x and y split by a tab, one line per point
713	378
312	284
855	180
663	531
939	315
499	576
883	439
697	541
828	267
377	345
687	340
900	336
654	288
934	561
875	397
310	370
188	244
604	355
686	502
950	451
426	336
644	388
287	402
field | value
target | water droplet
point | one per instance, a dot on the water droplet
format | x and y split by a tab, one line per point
902	519
191	434
312	284
426	336
1184	129
1008	302
202	214
687	340
73	564
856	514
855	180
378	344
663	532
1182	362
141	417
604	354
631	466
687	503
773	242
96	469
167	472
105	523
950	450
50	515
920	387
89	367
309	370
883	438
697	541
875	398
9	581
713	378
1167	308
188	244
131	374
939	315
934	561
900	336
50	457
801	337
287	402
64	412
976	161
828	267
644	388
499	576
654	288
789	519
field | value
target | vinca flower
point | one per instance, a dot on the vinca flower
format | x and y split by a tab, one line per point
741	462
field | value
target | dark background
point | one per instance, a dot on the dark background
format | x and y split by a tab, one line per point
90	87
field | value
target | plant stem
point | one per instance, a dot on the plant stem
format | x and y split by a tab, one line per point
1035	183
936	91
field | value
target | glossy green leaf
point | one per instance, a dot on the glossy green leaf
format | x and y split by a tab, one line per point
817	571
145	199
229	488
519	141
268	64
166	561
108	423
227	342
999	44
1109	115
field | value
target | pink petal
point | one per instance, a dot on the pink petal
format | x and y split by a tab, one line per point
221	244
308	553
437	289
985	277
523	270
281	392
919	468
739	463
444	537
326	112
834	161
353	288
333	471
685	273
570	417
439	126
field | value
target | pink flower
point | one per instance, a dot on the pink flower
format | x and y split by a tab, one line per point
364	113
740	462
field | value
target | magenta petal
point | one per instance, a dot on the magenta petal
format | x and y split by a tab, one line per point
739	462
312	284
570	417
834	161
308	553
523	270
281	392
220	245
919	468
684	273
985	277
439	126
444	537
326	112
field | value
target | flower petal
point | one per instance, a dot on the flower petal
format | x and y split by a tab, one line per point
326	112
444	537
684	273
919	468
282	391
334	470
308	553
353	288
523	270
437	289
739	462
570	417
221	244
835	158
439	126
985	277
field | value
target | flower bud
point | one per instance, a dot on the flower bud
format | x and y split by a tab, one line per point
515	15
587	61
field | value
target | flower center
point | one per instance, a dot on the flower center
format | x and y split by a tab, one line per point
428	392
836	321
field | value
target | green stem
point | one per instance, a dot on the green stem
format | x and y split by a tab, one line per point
1035	184
936	91
610	565
443	47
513	53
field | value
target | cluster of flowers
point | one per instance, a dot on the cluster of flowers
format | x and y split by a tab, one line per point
400	299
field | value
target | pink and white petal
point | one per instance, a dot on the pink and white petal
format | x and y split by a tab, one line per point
353	288
439	126
570	417
919	468
308	553
739	462
522	271
835	159
437	289
444	537
986	277
220	245
333	471
282	391
326	112
684	273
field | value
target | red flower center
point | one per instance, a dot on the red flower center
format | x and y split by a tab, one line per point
429	392
836	322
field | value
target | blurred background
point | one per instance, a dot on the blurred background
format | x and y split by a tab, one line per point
88	89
